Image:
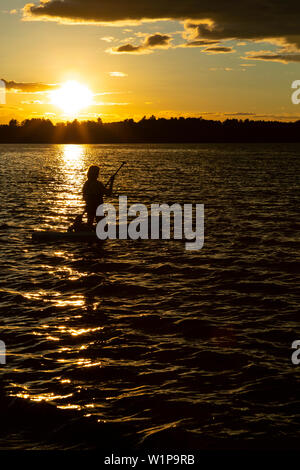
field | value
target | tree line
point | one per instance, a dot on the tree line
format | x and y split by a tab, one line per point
156	130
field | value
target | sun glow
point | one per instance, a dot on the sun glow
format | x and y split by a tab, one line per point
72	97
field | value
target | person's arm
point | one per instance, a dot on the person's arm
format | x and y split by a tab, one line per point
108	190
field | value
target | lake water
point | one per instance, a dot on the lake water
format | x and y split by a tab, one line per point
141	342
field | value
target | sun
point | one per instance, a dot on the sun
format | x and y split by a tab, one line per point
72	97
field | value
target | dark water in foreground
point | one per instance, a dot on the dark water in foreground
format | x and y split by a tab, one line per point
142	342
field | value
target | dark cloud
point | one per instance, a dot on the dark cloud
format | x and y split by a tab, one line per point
240	114
275	57
219	49
28	87
216	20
234	115
153	41
157	40
127	48
200	43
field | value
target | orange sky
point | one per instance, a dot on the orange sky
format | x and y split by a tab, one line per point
135	67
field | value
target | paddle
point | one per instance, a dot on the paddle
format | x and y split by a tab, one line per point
115	174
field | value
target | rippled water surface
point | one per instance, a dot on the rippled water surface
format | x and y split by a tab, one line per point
143	342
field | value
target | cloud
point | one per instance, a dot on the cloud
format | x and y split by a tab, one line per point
283	57
108	38
154	41
28	87
219	50
250	115
225	69
118	74
199	43
128	49
239	114
277	26
212	19
269	117
157	40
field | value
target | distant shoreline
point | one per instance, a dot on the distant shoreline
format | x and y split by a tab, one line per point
152	130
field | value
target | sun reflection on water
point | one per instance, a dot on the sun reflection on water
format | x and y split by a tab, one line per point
42	397
72	155
72	169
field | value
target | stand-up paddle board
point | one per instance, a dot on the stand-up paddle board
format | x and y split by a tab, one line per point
53	235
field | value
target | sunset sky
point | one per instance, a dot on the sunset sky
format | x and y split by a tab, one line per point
207	58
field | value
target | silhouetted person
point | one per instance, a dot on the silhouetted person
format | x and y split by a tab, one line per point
93	192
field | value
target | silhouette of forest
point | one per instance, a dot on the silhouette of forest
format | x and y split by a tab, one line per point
156	130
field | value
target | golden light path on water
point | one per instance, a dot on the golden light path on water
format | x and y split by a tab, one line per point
73	170
72	154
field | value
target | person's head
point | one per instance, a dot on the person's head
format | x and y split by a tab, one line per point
93	172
